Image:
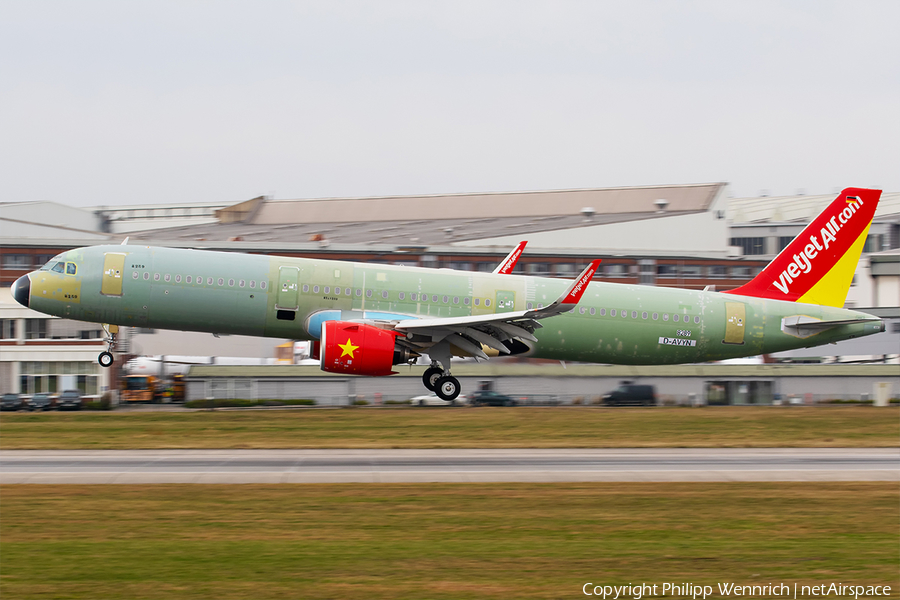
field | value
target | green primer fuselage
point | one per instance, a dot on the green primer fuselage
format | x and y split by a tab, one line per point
245	294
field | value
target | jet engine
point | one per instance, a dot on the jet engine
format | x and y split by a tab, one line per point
360	349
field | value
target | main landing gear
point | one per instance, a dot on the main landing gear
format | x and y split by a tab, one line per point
106	358
443	384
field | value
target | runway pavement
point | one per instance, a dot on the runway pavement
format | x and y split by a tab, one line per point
494	465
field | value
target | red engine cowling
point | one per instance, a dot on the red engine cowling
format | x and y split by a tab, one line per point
356	348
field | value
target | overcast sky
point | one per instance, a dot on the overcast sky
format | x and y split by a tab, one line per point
113	102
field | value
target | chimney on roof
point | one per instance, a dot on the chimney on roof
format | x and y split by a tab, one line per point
661	205
588	212
448	231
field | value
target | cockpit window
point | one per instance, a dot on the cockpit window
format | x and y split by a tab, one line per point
71	268
59	267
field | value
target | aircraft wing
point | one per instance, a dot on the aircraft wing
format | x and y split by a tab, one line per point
509	263
492	330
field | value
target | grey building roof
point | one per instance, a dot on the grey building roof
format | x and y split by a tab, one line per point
444	219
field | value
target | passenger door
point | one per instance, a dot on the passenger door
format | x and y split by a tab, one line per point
288	288
735	317
113	266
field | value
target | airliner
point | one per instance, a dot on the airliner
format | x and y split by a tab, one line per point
366	319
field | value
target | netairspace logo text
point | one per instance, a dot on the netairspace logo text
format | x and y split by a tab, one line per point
782	590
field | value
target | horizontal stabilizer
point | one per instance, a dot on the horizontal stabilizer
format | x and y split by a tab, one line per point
803	326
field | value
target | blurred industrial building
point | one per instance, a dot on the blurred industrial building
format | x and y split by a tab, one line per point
689	236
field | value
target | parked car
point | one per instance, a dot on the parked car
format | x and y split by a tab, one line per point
433	400
69	400
40	401
11	402
630	394
491	398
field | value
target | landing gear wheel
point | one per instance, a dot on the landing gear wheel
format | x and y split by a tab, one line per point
105	359
430	377
447	388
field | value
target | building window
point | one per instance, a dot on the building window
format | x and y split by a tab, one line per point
666	271
718	271
7	329
783	242
16	261
874	243
691	271
750	245
740	272
616	270
35	329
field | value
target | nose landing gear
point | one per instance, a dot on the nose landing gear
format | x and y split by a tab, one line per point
106	358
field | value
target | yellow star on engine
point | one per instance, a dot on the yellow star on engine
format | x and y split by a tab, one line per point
347	348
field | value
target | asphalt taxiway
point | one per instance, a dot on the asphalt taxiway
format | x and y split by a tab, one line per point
435	465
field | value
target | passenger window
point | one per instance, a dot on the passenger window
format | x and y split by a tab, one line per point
402	296
655	316
603	312
644	315
624	314
487	301
347	291
231	283
477	301
696	320
262	285
466	300
612	312
221	281
305	286
178	278
209	281
413	296
675	317
186	279
665	316
593	311
168	277
384	294
146	276
368	293
581	310
315	289
252	284
634	314
70	268
529	307
446	299
326	289
58	267
156	277
455	299
434	297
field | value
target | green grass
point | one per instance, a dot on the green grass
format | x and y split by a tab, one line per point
437	541
523	427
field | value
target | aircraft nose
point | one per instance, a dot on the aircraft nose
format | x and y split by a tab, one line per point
21	290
